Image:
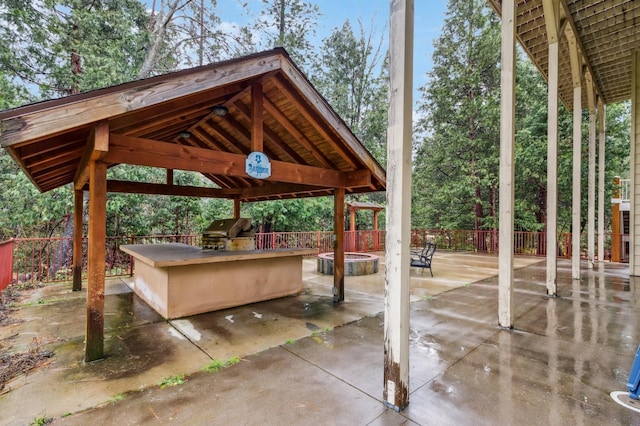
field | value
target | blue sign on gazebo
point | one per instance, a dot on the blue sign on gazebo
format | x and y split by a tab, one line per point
258	165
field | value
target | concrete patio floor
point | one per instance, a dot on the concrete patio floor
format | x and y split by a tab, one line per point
304	360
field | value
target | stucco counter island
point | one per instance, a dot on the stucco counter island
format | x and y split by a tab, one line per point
179	280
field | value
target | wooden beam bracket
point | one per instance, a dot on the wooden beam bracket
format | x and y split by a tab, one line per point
97	147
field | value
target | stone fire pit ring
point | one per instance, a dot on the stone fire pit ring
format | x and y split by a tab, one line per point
354	263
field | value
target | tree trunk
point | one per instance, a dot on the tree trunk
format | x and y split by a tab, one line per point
541	215
63	255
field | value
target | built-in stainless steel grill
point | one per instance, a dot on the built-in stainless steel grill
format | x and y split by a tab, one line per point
229	235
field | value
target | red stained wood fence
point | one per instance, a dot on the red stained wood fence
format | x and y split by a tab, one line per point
6	263
50	259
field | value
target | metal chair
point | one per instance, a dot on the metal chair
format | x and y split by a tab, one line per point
422	259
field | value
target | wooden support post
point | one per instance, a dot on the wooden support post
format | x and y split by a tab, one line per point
376	232
352	219
616	233
396	312
169	176
551	10
507	142
94	339
77	239
601	154
338	251
236	208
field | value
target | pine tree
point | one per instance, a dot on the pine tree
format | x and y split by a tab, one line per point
456	170
353	78
61	47
289	24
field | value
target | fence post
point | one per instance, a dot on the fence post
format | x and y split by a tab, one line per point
455	240
6	263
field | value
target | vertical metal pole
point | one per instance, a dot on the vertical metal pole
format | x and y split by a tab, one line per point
507	140
396	312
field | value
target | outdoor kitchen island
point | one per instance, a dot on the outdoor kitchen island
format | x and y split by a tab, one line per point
179	280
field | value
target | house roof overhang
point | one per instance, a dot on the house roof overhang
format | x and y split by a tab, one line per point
169	121
606	32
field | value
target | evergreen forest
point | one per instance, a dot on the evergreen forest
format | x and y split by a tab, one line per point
55	48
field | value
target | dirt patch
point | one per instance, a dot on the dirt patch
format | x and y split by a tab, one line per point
21	363
9	296
12	365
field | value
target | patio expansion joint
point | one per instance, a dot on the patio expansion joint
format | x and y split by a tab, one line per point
499	330
330	374
189	339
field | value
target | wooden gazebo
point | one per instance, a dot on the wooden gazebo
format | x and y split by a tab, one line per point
207	119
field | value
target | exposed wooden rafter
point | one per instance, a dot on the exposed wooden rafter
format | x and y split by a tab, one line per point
272	108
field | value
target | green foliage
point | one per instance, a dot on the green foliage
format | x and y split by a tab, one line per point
117	398
531	147
217	365
172	381
24	211
136	214
186	33
351	76
309	214
42	420
288	24
68	46
457	148
11	95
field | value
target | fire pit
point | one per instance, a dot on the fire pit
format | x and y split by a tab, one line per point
354	263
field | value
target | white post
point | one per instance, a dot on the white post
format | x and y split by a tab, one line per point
576	76
575	209
591	190
634	166
552	22
398	219
552	172
507	140
601	153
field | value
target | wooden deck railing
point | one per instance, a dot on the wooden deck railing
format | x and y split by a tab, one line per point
50	259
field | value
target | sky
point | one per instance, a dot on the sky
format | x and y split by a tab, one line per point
428	21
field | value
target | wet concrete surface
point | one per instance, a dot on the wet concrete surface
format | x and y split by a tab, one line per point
304	360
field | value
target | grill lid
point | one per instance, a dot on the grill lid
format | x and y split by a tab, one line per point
230	228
